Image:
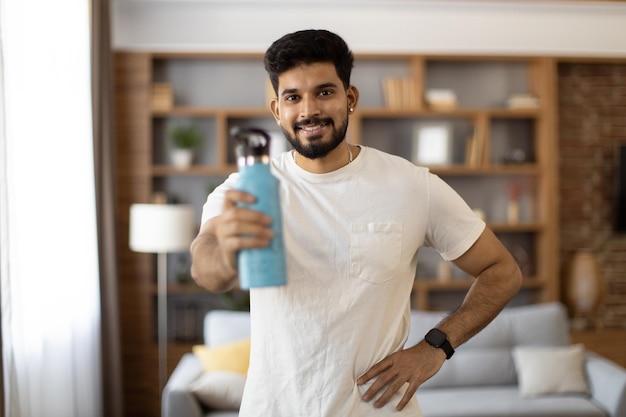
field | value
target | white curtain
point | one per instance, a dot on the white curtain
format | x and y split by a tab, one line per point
49	267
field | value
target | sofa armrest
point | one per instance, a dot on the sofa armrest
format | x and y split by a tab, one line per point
607	382
177	399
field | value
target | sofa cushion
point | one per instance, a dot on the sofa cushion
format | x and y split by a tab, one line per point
219	390
486	358
233	357
501	401
550	370
222	327
475	368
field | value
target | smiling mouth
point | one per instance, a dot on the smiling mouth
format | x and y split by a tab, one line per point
312	127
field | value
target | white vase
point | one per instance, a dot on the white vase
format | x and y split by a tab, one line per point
181	158
585	288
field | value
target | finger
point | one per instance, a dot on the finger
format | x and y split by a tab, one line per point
236	236
373	371
381	382
408	394
232	197
234	244
238	214
237	243
392	388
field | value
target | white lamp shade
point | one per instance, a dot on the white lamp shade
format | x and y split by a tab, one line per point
161	228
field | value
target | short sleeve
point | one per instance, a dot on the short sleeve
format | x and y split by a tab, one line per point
215	201
453	227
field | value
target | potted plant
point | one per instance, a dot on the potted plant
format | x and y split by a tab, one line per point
185	139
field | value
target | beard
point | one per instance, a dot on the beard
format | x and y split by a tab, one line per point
316	148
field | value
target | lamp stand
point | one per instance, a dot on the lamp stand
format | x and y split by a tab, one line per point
162	317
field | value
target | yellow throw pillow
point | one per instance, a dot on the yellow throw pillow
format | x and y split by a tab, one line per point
233	357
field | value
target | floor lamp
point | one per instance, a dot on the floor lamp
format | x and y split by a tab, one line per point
161	229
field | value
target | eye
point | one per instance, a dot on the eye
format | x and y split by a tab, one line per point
326	92
292	97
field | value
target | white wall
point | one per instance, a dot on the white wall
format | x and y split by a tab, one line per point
561	28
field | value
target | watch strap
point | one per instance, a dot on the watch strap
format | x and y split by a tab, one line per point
438	339
447	348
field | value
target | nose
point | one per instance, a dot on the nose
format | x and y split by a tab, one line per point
309	107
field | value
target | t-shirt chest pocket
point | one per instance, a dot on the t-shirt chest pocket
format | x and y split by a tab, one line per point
375	251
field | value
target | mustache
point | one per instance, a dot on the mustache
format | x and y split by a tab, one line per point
313	121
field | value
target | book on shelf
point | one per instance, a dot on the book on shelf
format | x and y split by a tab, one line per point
475	148
400	92
522	102
162	96
441	99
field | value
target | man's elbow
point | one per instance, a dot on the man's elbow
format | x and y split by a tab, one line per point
209	281
514	283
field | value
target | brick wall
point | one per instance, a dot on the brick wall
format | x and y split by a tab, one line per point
592	122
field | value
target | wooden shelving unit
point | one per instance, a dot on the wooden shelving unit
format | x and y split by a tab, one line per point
218	91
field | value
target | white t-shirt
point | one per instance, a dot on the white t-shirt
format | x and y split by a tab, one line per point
352	238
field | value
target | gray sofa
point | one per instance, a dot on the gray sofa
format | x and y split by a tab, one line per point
480	380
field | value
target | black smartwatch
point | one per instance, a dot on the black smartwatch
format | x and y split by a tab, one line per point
437	338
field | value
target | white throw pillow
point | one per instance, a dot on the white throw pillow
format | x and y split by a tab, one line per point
550	370
221	390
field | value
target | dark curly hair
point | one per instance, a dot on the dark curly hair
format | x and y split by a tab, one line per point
308	47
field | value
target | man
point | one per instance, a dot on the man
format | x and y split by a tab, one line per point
330	342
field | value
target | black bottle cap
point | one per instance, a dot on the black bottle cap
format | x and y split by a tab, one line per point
251	142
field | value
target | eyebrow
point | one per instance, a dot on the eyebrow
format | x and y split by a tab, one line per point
317	87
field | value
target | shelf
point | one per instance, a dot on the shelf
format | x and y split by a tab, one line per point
190	288
424	287
383	112
366	112
526	227
193	171
481	125
193	111
434	285
178	288
200	170
521	169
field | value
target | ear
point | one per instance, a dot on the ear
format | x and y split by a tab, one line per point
275	110
353	96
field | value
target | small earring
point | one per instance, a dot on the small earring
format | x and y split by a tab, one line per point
351	109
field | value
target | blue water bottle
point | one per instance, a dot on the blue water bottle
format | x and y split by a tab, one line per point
260	267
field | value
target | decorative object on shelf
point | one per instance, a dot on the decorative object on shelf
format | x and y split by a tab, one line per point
162	97
441	99
512	210
522	102
585	287
432	144
161	229
514	156
185	140
400	93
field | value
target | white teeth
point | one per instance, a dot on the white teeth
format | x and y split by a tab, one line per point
312	128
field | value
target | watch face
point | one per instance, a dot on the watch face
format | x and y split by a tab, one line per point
436	337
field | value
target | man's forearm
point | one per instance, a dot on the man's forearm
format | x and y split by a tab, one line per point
208	266
489	294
